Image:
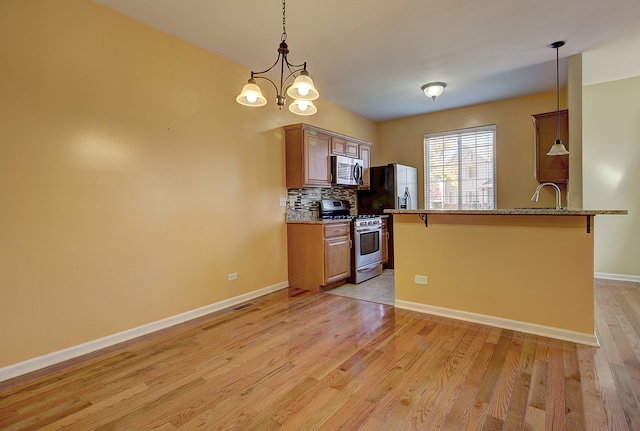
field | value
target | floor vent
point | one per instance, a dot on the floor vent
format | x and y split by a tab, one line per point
243	306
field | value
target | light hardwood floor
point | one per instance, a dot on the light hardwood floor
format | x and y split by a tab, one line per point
299	360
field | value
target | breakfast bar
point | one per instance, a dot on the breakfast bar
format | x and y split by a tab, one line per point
526	269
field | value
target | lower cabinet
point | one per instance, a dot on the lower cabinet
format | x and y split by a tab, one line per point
319	255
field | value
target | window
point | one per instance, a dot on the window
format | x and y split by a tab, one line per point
471	171
459	168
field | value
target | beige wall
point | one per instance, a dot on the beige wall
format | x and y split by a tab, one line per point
611	152
131	182
401	141
611	166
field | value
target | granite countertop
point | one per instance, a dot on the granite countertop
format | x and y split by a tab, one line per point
317	221
513	211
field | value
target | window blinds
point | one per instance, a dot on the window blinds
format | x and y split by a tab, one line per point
460	169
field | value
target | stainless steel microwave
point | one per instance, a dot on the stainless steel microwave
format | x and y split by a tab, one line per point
346	171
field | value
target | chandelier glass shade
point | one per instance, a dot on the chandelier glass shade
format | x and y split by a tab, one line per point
301	90
303	107
251	95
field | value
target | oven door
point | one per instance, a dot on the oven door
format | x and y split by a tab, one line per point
367	242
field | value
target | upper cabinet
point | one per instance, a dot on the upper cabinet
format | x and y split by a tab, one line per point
365	155
342	147
307	155
552	169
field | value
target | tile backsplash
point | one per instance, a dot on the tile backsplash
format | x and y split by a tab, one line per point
303	203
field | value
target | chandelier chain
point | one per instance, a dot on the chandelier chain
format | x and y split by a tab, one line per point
284	29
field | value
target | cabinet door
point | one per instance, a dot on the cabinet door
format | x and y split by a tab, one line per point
554	169
342	147
352	149
365	155
338	146
385	242
316	159
337	259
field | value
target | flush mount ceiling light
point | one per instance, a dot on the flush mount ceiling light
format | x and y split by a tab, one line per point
301	90
557	149
433	89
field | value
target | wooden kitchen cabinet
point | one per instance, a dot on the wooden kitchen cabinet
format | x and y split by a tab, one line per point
365	155
337	252
343	147
319	255
553	169
307	155
384	246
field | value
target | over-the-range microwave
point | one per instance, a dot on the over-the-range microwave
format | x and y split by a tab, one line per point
346	171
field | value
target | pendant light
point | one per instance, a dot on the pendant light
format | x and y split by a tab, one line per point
557	149
301	90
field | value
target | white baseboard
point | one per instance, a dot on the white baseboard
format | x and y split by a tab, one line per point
617	277
515	325
47	360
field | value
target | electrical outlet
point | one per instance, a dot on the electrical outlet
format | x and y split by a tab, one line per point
232	276
420	279
283	202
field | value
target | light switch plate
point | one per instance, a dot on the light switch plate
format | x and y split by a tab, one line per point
283	202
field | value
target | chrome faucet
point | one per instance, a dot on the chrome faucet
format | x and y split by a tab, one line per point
535	196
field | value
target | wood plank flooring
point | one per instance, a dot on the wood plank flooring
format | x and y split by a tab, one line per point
304	361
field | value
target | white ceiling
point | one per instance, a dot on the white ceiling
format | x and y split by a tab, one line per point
372	56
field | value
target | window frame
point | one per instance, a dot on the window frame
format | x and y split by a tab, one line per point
461	173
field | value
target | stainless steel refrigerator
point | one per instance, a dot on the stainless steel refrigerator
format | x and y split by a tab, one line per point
393	186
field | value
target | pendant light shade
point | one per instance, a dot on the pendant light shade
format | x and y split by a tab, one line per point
557	149
303	88
303	107
251	95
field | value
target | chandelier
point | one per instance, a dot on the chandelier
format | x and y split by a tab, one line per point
302	90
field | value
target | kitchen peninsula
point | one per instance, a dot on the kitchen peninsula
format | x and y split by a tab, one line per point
529	270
